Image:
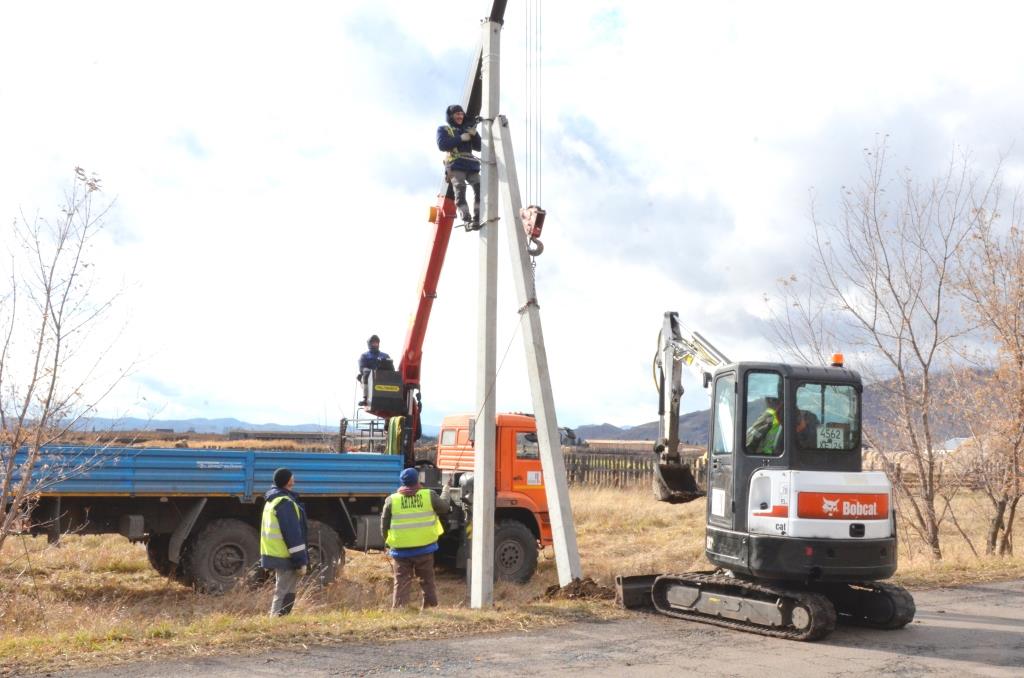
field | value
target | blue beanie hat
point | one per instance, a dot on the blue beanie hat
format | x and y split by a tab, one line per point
410	477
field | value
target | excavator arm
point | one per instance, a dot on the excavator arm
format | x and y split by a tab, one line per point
674	480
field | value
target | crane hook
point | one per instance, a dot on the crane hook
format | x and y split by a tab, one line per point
533	223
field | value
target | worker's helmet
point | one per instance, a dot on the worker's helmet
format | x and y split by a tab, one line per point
451	111
372	340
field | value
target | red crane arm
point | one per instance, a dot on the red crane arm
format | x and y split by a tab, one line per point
412	353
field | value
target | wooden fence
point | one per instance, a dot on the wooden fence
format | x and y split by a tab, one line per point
609	470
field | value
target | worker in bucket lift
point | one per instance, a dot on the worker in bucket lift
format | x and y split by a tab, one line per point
411	524
373	359
458	140
765	435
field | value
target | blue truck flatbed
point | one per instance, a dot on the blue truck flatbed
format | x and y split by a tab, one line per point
244	474
199	510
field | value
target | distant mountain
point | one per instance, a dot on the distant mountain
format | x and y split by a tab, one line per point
600	432
200	425
693	430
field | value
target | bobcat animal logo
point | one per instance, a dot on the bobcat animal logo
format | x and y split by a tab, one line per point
829	506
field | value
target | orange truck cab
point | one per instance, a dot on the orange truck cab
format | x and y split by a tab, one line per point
521	522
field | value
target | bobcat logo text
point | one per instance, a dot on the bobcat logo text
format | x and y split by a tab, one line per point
843	506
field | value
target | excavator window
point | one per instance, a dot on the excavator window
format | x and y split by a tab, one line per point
827	417
764	414
725	414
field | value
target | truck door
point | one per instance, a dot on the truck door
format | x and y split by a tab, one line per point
720	461
527	477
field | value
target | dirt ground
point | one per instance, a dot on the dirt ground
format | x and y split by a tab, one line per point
975	630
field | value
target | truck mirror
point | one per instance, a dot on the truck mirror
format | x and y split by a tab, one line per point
472	430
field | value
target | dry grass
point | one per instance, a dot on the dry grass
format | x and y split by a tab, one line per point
96	599
958	565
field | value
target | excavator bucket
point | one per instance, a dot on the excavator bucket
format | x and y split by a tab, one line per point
674	482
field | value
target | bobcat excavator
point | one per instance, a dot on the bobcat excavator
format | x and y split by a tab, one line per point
799	532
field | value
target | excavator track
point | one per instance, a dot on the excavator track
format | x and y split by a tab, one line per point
871	604
744	605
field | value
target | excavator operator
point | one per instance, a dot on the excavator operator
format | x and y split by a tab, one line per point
765	435
458	140
807	429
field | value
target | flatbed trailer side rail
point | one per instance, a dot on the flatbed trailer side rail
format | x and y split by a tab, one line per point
245	474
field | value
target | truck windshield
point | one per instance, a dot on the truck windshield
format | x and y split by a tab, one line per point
827	417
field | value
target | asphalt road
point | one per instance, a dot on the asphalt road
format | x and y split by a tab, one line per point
970	631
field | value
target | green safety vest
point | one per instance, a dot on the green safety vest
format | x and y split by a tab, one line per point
271	540
413	521
394	436
772	437
455	153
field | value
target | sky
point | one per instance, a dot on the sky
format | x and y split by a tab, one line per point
271	167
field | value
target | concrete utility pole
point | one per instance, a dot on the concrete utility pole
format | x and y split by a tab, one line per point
481	593
498	167
556	488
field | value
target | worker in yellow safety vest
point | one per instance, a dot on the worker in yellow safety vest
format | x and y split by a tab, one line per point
411	523
283	540
765	435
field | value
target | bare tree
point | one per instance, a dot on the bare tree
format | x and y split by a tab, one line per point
48	358
992	283
881	279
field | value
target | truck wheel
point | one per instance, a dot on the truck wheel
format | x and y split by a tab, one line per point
224	552
326	554
156	550
515	551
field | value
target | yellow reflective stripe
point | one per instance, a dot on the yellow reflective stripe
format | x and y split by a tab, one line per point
418	514
409	526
